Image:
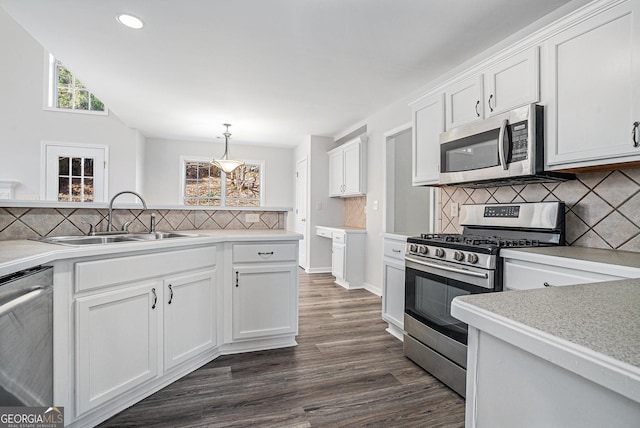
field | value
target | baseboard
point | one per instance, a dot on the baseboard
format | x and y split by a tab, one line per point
373	289
318	270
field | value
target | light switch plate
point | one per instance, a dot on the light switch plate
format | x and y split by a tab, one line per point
252	218
455	207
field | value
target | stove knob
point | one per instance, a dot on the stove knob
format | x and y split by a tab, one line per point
423	249
458	256
472	258
439	252
413	248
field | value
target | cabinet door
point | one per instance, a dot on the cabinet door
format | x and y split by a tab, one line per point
513	82
116	342
265	300
352	169
464	102
428	123
393	292
336	173
190	316
594	94
338	263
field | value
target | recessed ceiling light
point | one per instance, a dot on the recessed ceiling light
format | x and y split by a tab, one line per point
130	21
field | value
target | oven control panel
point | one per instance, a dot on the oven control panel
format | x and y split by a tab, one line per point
435	253
503	211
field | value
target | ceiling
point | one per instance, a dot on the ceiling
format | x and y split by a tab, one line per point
277	70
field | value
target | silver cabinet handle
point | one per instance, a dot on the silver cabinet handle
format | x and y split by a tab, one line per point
155	298
477	104
489	102
270	253
546	284
236	278
634	134
396	251
170	294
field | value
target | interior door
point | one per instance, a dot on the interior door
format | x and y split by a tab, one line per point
301	210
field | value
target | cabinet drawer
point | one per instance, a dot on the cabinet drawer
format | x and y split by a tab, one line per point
100	273
339	237
524	276
323	232
266	252
394	249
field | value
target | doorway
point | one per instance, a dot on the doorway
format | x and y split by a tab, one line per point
302	200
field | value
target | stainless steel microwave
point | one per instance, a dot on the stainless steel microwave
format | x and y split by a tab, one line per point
504	149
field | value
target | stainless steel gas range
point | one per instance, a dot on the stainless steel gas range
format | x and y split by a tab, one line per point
440	267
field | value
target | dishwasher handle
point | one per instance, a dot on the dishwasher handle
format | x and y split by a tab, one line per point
28	295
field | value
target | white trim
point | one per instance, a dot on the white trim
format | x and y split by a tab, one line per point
373	289
398	130
43	165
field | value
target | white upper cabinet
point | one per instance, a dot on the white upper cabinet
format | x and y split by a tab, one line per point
594	89
428	123
464	101
347	169
512	82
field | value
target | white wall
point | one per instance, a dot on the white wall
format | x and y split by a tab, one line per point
24	124
163	169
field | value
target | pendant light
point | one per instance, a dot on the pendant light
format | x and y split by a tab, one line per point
226	164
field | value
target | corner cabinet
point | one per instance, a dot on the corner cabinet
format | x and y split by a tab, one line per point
265	290
428	123
347	169
594	89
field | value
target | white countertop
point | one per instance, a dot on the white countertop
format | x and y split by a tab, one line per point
23	254
345	229
591	329
620	263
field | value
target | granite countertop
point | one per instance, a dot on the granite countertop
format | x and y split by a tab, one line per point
590	329
22	254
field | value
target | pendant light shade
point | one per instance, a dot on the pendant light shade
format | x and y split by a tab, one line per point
224	163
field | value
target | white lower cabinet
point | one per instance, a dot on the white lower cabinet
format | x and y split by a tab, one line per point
264	301
117	337
393	285
265	290
189	316
337	261
524	275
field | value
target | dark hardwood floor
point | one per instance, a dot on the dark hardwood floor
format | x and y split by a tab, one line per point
345	372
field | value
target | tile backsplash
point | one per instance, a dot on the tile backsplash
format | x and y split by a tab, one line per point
602	208
354	214
23	223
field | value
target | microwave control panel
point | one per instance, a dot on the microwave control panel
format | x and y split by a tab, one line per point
519	141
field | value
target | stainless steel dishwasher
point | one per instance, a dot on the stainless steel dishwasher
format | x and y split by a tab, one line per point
26	338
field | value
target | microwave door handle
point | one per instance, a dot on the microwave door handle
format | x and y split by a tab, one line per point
501	144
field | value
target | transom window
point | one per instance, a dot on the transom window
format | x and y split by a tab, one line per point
67	92
206	184
75	179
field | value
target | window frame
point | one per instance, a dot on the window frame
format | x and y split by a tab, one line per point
51	91
223	198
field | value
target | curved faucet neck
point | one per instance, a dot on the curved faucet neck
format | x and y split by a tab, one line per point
110	221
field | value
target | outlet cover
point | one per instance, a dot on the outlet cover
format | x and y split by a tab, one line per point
252	218
455	207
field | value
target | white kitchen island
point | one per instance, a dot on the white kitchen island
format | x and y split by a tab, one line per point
554	357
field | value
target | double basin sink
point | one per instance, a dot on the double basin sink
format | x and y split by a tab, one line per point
109	239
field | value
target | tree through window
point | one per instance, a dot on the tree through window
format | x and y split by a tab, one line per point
67	92
206	184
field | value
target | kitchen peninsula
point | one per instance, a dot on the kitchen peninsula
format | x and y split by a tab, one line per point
554	357
121	310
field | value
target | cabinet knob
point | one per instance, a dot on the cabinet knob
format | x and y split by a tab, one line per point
634	134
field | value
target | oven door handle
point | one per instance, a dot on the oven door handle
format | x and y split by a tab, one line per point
483	275
501	140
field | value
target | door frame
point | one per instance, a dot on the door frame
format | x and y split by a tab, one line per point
302	225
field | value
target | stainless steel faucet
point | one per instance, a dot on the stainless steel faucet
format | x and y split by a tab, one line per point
110	222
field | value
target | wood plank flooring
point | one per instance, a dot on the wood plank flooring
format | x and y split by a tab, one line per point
346	371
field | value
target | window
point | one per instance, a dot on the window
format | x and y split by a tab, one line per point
206	184
75	173
67	92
